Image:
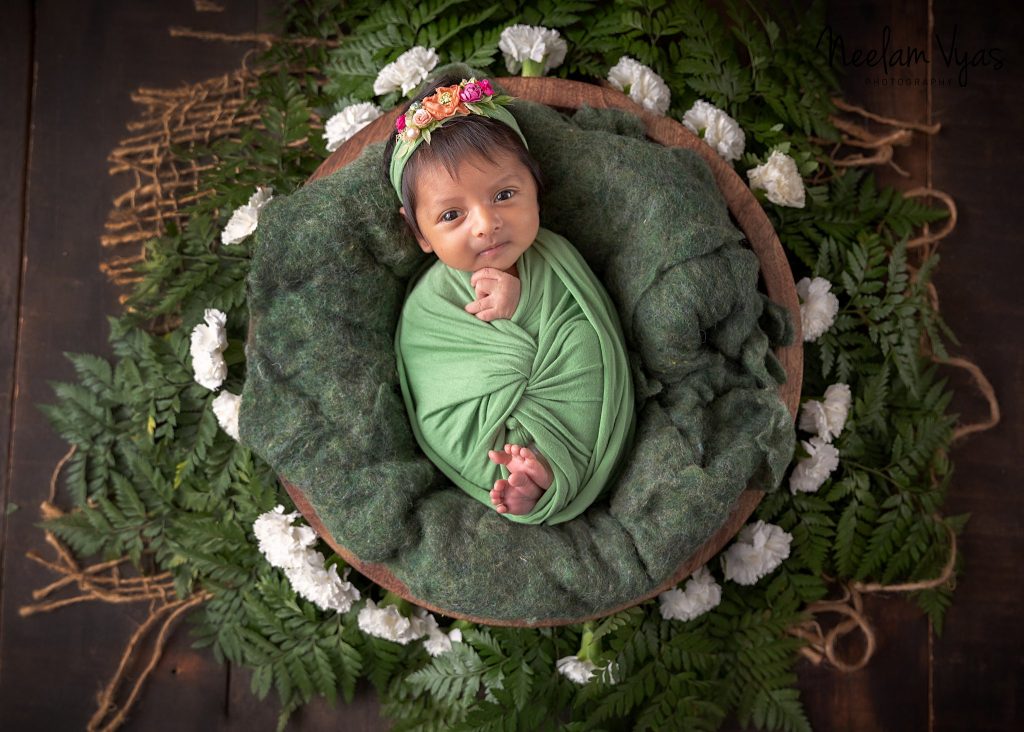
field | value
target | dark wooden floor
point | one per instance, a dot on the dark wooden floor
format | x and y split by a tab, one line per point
67	71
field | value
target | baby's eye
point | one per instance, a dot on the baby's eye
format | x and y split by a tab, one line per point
449	216
505	195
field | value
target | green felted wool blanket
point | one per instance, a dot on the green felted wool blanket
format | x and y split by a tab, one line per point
322	402
555	375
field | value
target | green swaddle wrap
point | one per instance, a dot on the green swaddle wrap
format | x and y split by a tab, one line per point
554	376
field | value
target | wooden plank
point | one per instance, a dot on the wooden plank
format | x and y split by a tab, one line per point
899	91
868	699
16	80
88	56
977	668
362	715
891	692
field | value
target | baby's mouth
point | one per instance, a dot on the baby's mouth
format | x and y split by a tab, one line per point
491	250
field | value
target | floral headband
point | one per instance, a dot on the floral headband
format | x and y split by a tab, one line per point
447	102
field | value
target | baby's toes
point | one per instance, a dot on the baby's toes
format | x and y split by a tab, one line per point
498	495
519	479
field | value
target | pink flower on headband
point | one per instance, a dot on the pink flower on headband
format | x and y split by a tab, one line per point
400	122
485	87
421	118
471	92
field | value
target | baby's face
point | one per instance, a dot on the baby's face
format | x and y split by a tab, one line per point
485	216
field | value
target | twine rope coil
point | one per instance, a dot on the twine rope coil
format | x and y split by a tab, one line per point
857	136
822	645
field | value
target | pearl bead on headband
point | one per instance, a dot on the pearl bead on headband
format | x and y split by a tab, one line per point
447	102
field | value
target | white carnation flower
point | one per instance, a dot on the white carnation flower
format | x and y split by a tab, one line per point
837	407
242	223
437	641
642	85
759	548
262	196
283	544
524	43
700	594
289	547
718	129
818	306
813	419
209	369
406	71
211	335
827	419
576	669
245	218
226	406
207	344
321	585
811	472
388	623
348	122
780	180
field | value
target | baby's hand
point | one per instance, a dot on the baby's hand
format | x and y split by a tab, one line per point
497	294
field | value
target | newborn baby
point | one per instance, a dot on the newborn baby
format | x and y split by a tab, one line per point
510	355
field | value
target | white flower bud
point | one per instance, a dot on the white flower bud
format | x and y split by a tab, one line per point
811	472
718	129
348	122
641	83
701	594
406	72
245	218
780	180
522	43
226	407
818	306
207	344
759	548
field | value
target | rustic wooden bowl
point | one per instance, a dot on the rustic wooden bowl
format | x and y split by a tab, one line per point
751	219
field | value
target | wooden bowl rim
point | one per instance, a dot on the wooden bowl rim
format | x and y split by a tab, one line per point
752	220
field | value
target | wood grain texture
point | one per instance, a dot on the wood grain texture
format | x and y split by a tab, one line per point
978	669
752	220
865	700
16	76
972	672
87	56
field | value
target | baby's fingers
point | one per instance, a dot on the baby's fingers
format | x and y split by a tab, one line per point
487	273
477	306
488	315
489	308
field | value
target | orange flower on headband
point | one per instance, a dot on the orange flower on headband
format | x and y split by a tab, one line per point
445	103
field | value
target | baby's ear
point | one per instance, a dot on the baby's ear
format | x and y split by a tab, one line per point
424	244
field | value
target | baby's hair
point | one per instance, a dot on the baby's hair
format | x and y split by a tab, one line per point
453	142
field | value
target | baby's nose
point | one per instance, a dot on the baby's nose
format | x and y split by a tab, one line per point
486	221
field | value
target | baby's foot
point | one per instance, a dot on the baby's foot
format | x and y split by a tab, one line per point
528	478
